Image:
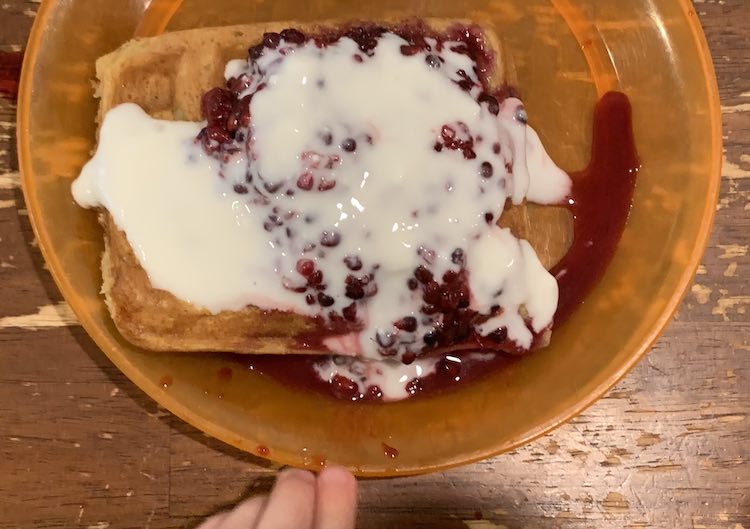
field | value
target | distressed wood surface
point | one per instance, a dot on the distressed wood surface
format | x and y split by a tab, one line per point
80	446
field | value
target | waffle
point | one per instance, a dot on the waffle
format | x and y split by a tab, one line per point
166	76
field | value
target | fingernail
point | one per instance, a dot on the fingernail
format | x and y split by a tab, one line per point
295	473
337	473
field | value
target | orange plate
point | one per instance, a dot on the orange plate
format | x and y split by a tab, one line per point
566	52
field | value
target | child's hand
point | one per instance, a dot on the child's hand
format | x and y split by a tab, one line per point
298	500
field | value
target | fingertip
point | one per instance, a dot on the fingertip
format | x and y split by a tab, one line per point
292	501
337	475
336	499
245	514
296	474
214	522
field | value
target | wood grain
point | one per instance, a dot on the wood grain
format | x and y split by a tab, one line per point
80	446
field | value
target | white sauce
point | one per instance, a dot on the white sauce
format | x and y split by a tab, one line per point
193	237
205	243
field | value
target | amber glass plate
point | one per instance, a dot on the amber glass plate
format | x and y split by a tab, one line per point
567	53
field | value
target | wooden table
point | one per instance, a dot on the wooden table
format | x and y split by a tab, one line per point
81	446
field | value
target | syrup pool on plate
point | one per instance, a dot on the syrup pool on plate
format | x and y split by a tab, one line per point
600	201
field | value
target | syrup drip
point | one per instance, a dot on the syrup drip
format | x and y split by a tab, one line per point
389	451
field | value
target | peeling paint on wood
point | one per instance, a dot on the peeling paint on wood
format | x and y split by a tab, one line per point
702	293
743	107
726	305
10	181
59	315
732	251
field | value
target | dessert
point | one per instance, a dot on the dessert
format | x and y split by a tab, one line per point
342	196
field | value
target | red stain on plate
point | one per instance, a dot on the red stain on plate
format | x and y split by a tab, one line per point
10	73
